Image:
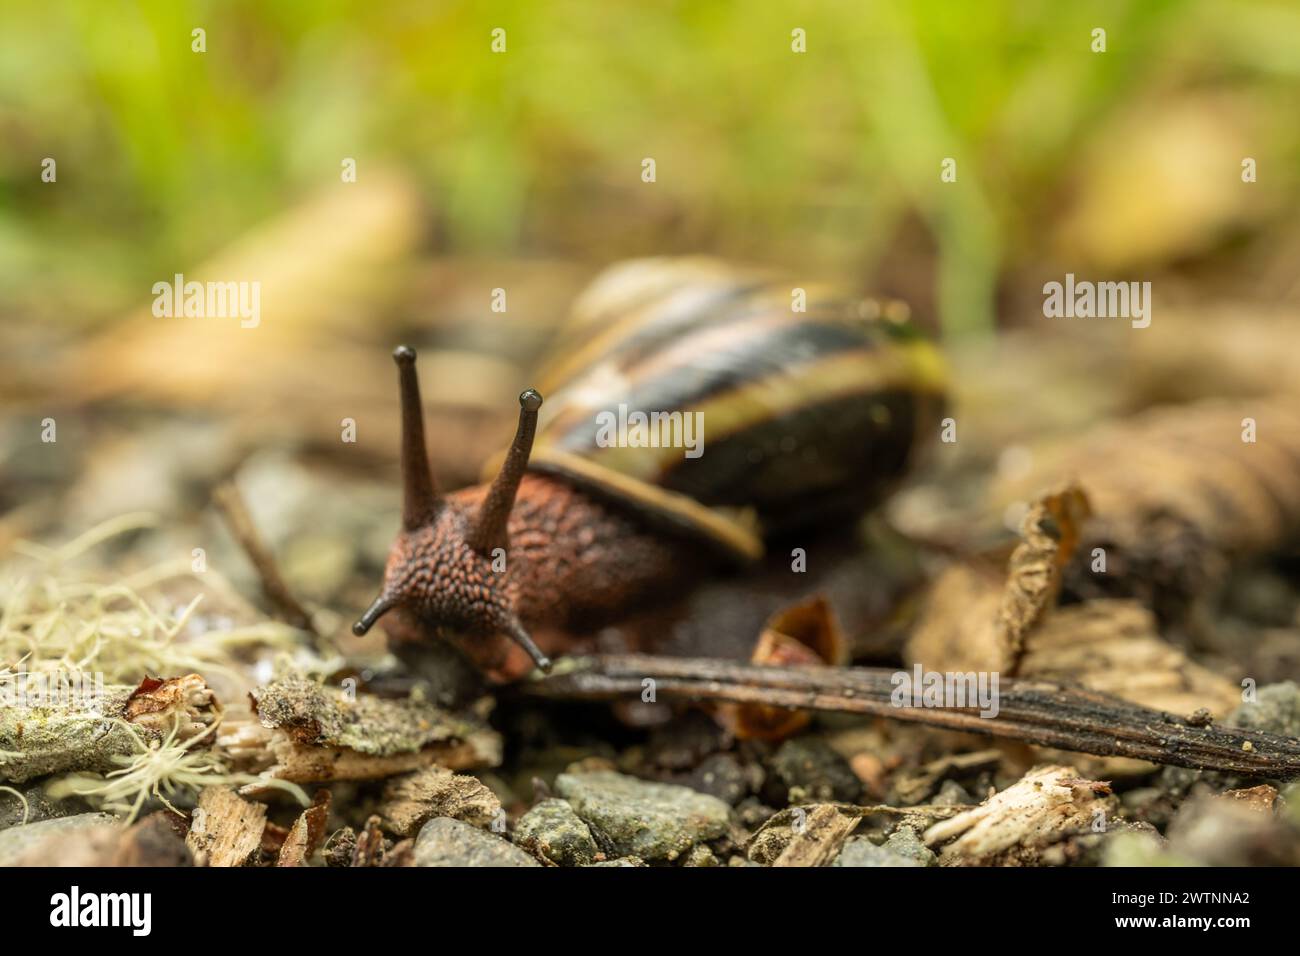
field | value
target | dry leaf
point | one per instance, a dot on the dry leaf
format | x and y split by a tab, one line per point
807	633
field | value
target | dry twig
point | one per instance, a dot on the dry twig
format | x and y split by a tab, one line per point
285	606
1038	712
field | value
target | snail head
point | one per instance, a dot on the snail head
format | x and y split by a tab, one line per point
445	570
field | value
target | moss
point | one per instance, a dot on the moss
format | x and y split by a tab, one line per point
37	741
321	716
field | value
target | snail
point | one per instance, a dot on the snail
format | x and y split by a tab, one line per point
811	404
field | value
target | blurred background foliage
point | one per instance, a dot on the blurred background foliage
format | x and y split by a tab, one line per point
522	171
1067	159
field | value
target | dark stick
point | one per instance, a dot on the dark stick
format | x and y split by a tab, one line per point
1037	712
286	607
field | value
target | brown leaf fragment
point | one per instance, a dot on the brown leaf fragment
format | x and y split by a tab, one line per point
1100	787
972	622
273	838
371	845
411	800
307	834
1048	804
401	854
977	619
1179	492
225	830
807	633
818	837
1049	534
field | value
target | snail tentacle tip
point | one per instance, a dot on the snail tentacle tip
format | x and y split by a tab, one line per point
403	355
530	399
359	628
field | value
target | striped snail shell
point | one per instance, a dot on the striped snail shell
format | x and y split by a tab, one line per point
804	416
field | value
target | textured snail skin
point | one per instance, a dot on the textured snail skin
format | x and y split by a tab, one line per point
572	566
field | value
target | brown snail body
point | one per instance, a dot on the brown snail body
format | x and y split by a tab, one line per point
814	414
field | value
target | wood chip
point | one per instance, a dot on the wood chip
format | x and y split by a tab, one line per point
225	830
305	732
819	839
1045	806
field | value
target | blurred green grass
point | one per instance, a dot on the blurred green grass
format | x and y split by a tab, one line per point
826	160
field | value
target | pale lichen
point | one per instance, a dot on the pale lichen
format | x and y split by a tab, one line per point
54	619
158	769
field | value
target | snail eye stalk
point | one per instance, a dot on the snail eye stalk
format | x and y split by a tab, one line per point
489	531
521	637
381	606
420	503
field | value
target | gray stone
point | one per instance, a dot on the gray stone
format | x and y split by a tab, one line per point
16	843
621	861
952	794
1276	710
553	831
39	806
653	821
903	848
808	770
724	777
447	842
859	851
907	843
